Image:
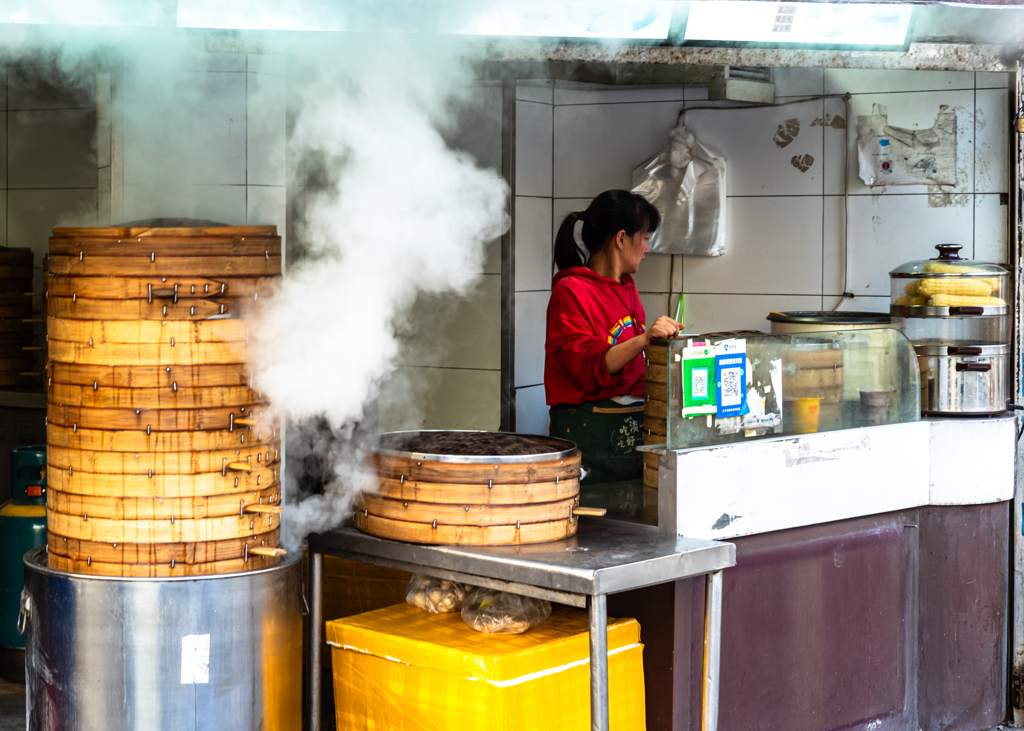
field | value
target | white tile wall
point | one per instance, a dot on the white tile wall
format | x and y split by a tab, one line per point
477	125
716	312
533	244
171	137
51	149
875	81
798	81
569	92
532	411
990	228
441	398
449	331
533	161
991	169
265	129
32	215
531	313
597	146
775	247
539	90
993	80
266	205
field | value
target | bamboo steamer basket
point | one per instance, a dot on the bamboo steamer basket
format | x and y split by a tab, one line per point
18	348
163	458
471	488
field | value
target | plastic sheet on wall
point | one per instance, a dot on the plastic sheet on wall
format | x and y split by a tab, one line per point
888	155
403	668
686	183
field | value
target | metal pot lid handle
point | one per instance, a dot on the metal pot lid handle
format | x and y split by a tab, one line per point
974	367
967	310
964	350
949	252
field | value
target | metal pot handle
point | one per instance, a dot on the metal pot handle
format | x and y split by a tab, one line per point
974	367
24	611
967	310
963	350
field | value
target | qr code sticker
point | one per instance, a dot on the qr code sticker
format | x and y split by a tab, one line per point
699	383
732	391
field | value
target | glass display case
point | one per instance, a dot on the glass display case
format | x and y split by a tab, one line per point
727	389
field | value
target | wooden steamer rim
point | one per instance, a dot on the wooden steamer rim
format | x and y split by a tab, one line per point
150	553
561	449
160	570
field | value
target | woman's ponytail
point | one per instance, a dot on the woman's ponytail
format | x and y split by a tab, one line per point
567	253
609	213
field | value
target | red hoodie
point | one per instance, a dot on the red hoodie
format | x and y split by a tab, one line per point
588	314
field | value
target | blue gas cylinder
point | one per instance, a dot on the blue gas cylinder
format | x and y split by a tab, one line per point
22	528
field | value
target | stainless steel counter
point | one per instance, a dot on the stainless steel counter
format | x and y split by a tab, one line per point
605	557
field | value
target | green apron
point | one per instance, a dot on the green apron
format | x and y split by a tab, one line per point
607	434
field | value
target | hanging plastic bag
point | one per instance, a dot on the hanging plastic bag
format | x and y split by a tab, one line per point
686	183
438	596
502	613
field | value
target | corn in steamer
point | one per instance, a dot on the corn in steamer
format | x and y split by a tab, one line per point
955	311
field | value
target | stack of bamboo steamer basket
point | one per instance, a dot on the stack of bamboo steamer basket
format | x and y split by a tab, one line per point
163	459
17	367
655	420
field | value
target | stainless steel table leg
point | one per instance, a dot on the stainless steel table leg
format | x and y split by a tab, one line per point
598	606
712	649
314	638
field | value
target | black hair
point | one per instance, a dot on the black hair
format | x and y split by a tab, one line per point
609	213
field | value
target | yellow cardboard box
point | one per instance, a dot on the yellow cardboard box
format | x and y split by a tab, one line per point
403	668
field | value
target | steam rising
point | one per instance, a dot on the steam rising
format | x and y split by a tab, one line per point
400	214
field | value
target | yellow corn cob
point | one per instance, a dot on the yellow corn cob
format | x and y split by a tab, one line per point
911	301
940	267
911	289
959	300
959	286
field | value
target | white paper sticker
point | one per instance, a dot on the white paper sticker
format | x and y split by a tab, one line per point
195	659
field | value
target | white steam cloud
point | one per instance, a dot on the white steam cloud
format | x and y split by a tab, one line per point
401	214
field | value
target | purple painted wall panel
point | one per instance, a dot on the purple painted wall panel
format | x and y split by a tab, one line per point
889	622
964	575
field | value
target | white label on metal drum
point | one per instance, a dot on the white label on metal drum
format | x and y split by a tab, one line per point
195	659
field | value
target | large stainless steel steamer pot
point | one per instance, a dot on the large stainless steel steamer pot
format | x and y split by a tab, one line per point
964	379
217	652
784	323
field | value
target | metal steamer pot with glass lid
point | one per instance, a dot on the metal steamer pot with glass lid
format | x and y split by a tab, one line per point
955	312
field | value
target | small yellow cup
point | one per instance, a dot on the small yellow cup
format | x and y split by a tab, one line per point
805	415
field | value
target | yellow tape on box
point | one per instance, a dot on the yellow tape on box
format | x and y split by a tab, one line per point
403	668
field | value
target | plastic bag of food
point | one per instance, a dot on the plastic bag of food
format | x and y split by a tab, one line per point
686	183
502	613
438	596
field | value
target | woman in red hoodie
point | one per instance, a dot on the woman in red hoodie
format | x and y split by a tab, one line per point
596	334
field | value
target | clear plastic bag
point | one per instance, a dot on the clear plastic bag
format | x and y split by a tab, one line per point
501	613
438	596
686	183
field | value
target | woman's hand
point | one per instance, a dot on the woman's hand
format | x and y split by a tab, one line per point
663	328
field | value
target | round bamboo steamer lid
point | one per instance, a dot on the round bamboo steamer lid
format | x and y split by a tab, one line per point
163	463
125	508
98	309
466	535
159	531
173	332
188	553
160	266
106	484
163	354
161	289
151	376
467	514
152	398
140	441
152	419
161	246
431	472
152	571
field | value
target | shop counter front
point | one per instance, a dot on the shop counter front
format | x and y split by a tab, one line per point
870	588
